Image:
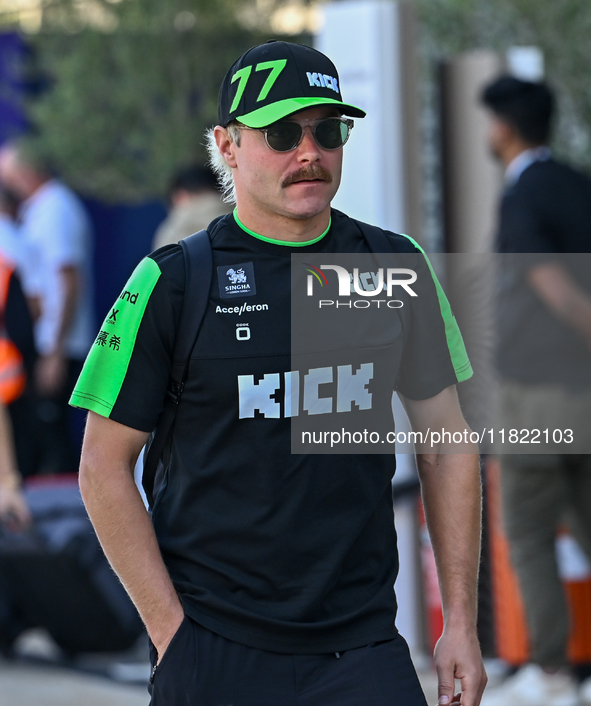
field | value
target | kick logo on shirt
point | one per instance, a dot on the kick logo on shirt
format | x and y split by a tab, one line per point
350	386
236	280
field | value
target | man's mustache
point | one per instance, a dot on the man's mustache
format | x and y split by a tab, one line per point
314	171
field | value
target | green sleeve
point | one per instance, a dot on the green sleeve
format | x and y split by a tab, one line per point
107	362
455	342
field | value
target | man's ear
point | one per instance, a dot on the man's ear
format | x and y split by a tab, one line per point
226	145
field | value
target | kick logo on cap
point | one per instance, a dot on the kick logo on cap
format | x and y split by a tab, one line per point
276	79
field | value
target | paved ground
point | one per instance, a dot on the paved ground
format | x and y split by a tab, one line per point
28	685
24	684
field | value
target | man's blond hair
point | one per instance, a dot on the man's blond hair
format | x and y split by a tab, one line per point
218	164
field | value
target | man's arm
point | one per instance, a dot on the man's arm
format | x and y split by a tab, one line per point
51	368
563	296
13	507
450	486
123	525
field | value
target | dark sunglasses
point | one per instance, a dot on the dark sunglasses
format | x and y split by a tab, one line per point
286	135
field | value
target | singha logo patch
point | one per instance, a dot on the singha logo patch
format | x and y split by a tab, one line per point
236	280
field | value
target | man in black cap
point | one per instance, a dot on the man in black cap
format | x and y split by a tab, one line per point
266	577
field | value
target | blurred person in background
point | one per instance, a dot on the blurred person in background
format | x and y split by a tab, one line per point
17	363
195	202
544	360
15	249
54	223
11	244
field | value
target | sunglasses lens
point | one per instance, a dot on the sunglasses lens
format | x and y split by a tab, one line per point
283	136
331	133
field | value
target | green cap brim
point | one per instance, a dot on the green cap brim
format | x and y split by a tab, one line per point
281	109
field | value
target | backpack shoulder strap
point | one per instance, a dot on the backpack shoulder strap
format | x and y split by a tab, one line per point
376	239
198	276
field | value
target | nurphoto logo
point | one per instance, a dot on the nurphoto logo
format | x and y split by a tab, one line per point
365	284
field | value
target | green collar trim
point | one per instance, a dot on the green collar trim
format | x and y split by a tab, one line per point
287	243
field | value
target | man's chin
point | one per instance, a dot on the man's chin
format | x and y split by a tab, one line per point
313	191
304	200
305	212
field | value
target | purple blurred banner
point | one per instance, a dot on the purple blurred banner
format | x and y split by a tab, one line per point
12	53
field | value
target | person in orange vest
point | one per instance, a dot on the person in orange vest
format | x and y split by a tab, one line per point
18	252
12	371
17	361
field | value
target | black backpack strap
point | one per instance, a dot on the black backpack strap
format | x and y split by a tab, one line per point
379	240
198	276
376	239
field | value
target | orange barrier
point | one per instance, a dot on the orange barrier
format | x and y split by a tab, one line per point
432	597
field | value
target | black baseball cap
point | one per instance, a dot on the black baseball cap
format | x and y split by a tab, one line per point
274	80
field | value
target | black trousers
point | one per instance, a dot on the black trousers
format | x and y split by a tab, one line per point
201	668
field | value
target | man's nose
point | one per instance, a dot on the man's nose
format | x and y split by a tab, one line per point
308	149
